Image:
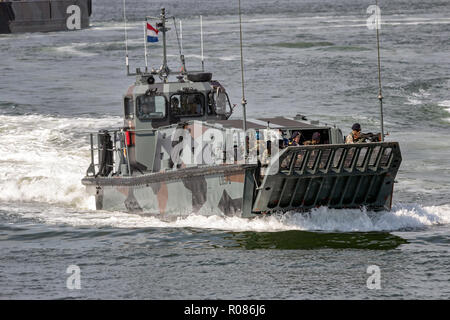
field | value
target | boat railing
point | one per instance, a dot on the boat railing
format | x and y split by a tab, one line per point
103	149
324	159
112	149
339	176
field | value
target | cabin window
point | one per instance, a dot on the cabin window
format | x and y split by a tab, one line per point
219	101
187	104
151	107
129	110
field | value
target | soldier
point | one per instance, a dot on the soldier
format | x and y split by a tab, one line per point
314	140
175	105
355	135
295	139
282	141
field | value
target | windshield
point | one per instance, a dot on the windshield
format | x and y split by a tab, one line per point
220	102
151	107
187	104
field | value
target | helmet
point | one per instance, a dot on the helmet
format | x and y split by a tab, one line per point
315	136
356	126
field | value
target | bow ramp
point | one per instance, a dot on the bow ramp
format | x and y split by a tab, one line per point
336	176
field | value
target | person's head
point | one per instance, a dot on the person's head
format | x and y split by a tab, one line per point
175	102
315	138
296	136
356	128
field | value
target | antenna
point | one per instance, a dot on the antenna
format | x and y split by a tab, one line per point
163	22
380	95
180	45
126	39
181	36
201	42
244	102
145	45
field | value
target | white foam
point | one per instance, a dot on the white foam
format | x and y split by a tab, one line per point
44	158
413	101
445	103
402	217
230	58
75	50
422	93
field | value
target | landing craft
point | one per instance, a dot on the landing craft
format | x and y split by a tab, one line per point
44	15
179	152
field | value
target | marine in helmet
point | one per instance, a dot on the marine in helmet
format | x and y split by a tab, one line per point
295	139
355	135
315	139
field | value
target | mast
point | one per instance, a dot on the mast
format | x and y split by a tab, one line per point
244	102
181	36
164	67
201	42
145	46
380	95
126	39
181	48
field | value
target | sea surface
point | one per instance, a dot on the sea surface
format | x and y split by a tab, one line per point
314	57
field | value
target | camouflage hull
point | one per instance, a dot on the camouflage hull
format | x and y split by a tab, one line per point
219	190
44	16
300	179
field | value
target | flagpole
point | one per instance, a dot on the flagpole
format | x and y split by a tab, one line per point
145	45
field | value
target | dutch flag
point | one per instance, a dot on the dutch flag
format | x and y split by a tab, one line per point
152	33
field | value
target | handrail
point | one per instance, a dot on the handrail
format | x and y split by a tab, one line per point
314	159
117	135
334	175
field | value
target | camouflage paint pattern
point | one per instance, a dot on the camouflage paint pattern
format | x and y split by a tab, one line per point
216	191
